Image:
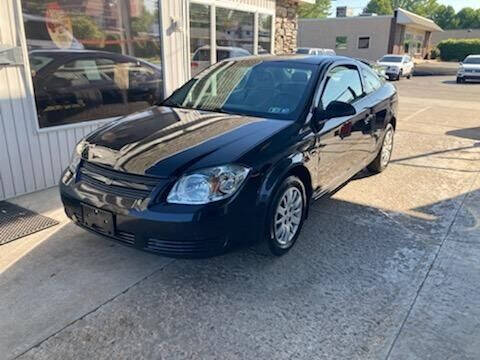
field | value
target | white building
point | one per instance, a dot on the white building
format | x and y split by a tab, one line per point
53	92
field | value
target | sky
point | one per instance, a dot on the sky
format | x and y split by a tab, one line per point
358	5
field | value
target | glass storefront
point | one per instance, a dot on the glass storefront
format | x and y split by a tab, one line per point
234	35
199	37
264	34
93	59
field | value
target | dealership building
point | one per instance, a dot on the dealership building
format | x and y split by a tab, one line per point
69	66
369	36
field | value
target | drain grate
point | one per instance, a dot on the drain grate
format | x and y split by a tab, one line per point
17	222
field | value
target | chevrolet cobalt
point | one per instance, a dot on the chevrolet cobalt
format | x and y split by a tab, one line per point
234	156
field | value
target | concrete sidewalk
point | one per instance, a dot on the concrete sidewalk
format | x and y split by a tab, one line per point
387	268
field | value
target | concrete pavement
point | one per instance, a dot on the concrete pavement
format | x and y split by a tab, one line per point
386	268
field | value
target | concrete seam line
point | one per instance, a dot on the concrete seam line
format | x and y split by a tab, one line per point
418	112
431	266
95	309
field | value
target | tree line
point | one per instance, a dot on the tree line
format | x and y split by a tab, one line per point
445	16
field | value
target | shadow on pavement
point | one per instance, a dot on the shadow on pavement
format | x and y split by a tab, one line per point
470	133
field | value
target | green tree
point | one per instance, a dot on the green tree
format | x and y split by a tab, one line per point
84	28
318	10
468	18
380	7
445	17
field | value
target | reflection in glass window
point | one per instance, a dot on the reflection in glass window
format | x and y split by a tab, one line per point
199	37
343	84
234	31
109	63
341	43
249	87
264	34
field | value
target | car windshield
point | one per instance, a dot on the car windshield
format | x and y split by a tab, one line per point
391	59
303	51
270	89
472	60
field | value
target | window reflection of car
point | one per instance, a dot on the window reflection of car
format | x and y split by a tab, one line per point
201	56
233	156
78	85
315	51
38	37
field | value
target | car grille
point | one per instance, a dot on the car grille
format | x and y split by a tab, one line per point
185	247
117	182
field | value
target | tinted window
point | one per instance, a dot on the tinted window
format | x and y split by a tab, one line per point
364	42
343	84
394	59
303	51
276	90
472	60
371	80
88	88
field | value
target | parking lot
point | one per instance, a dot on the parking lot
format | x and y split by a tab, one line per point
386	268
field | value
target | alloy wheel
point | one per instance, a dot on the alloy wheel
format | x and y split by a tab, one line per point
387	147
288	216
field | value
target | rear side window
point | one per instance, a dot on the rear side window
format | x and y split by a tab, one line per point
371	80
343	84
202	55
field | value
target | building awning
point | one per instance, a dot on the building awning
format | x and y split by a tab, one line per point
405	17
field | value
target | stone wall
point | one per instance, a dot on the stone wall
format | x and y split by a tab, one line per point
286	26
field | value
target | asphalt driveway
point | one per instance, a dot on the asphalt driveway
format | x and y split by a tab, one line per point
388	267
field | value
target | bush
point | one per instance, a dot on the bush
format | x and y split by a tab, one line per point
458	49
434	54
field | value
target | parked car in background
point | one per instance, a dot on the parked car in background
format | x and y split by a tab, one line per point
233	156
201	57
315	51
469	69
397	66
75	85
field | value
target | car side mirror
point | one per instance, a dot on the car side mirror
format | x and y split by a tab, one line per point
335	109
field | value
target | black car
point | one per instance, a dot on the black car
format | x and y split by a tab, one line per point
77	85
235	155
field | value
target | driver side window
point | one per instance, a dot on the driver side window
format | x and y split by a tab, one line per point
343	84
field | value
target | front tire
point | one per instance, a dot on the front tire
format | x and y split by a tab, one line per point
382	160
287	214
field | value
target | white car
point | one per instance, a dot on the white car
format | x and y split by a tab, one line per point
315	51
469	69
397	66
201	56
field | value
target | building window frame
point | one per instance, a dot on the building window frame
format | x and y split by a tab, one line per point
364	37
254	10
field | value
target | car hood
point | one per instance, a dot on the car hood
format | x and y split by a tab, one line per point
164	141
471	66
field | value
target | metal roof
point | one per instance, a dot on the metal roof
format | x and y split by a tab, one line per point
405	17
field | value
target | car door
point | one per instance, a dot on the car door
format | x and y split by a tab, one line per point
334	138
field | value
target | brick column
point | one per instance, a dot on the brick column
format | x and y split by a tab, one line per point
286	26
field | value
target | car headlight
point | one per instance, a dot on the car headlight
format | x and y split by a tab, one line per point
208	185
461	69
77	156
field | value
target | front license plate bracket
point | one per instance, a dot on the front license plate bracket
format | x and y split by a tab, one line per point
99	220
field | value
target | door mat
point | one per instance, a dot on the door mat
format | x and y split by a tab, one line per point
17	222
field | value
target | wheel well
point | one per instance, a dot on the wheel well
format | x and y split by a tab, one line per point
394	123
304	175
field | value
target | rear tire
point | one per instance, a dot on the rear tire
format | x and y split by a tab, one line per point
460	80
382	160
286	216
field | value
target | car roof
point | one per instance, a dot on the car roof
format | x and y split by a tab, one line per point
473	56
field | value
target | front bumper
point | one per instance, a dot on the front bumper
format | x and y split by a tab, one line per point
169	229
469	75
